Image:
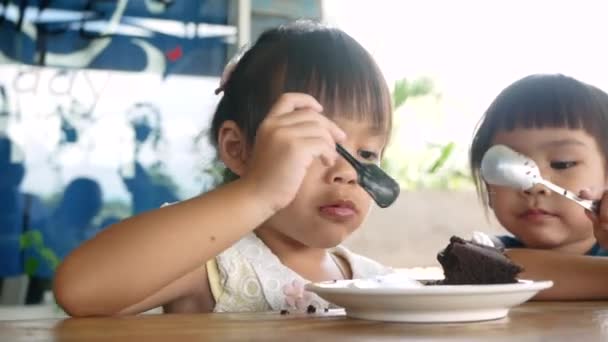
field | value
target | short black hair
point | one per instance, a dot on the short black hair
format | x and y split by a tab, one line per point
538	101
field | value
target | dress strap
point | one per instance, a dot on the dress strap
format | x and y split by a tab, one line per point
213	274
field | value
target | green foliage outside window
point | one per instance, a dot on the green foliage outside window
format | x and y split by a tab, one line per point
436	165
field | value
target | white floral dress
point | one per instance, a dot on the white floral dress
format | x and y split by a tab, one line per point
249	277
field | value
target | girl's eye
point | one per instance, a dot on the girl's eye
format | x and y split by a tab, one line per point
368	155
562	165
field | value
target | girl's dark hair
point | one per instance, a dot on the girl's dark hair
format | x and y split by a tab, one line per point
308	57
539	101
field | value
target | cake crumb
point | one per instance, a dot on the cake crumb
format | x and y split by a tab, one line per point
326	310
311	309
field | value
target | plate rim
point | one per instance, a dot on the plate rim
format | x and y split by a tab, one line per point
523	285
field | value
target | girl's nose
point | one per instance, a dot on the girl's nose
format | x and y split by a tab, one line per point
342	172
537	189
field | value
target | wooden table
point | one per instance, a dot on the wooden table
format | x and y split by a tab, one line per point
550	321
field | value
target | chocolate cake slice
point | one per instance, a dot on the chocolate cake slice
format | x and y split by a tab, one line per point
466	262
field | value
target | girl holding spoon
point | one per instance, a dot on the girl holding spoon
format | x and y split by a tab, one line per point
295	102
541	145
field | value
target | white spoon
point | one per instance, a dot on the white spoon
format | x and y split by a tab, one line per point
503	166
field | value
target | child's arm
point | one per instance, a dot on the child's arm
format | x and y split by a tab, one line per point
150	259
575	277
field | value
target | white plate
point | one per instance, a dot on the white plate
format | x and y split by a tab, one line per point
433	303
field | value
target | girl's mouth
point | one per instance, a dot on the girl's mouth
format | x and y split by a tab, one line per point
339	210
536	214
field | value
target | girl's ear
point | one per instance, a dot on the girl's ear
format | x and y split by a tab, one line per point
232	147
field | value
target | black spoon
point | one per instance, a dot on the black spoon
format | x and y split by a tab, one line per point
381	187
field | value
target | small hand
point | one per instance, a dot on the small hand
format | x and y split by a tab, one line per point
290	138
600	219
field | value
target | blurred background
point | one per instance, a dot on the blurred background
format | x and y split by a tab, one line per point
105	106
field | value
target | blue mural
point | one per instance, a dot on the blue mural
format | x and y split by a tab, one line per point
19	212
183	37
94	98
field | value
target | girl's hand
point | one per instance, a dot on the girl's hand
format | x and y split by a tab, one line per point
600	219
290	138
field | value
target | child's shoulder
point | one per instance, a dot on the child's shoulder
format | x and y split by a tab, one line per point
361	266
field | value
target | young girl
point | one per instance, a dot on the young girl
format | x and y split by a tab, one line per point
250	244
562	124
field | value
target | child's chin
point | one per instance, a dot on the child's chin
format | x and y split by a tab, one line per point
328	241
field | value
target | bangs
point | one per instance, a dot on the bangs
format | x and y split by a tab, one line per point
547	103
342	77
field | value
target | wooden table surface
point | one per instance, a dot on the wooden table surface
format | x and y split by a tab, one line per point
548	321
